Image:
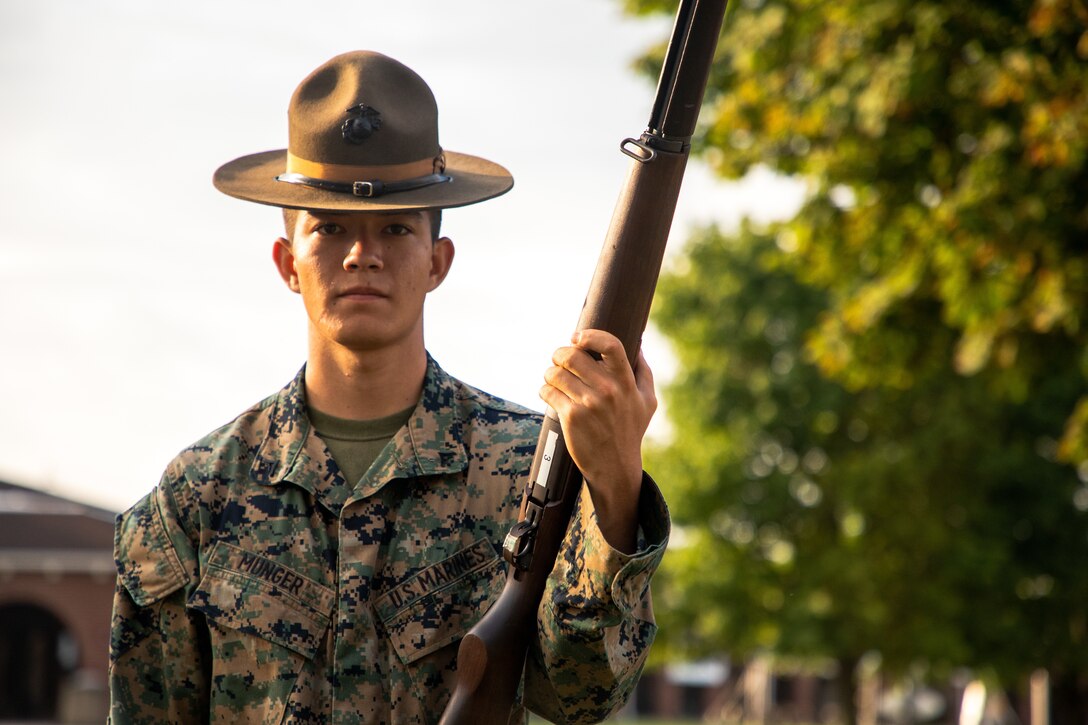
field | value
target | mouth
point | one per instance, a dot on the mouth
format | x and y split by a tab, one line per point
362	293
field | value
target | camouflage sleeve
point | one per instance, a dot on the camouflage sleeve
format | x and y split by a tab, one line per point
595	620
156	671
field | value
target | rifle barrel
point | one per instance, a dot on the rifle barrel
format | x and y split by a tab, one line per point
682	83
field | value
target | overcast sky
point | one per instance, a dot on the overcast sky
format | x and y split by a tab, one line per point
139	308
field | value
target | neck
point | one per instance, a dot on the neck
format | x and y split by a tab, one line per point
364	385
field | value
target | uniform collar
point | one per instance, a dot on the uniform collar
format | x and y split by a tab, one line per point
428	444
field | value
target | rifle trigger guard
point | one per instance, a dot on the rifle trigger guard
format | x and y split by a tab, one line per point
517	548
648	152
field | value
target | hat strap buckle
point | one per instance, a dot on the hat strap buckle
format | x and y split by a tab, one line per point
368	189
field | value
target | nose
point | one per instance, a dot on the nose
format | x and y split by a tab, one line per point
362	256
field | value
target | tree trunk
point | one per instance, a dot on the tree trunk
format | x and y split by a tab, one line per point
1068	698
847	691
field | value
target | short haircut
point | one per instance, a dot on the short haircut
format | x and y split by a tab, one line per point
290	218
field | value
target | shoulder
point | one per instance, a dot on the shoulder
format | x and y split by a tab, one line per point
476	399
156	540
230	456
486	424
232	444
499	431
477	407
443	392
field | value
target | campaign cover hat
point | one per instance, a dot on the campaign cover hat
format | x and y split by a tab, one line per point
362	136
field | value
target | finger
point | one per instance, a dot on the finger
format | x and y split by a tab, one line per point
605	344
644	376
558	401
610	355
566	382
578	362
644	381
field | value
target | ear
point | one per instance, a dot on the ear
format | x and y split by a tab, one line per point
441	260
285	263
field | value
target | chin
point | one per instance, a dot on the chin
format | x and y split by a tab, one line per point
368	342
368	338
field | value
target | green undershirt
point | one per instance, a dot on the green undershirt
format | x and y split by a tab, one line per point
355	444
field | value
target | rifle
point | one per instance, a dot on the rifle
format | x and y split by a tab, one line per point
491	657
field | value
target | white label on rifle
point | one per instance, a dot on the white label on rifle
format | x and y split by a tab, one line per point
546	460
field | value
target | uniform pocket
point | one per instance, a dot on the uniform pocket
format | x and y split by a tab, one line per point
266	621
253	594
438	605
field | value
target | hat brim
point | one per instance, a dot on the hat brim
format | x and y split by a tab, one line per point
253	178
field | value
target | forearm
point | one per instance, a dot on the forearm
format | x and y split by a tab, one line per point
158	646
595	622
156	672
616	503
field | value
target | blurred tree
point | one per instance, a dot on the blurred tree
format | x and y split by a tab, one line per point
881	407
929	524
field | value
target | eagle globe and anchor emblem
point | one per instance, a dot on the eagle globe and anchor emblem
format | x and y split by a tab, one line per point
361	123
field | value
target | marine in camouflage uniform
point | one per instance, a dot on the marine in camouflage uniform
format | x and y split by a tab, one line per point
257	584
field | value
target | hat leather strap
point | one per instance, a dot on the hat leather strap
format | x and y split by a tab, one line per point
340	178
374	187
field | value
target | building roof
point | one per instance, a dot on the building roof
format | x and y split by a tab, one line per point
43	532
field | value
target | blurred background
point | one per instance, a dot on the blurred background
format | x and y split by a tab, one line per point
868	337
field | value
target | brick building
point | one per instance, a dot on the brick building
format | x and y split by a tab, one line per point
56	590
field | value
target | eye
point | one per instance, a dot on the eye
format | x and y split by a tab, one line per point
398	230
329	229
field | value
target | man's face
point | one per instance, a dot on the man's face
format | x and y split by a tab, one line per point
363	277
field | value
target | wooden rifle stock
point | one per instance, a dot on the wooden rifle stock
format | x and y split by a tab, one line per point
491	658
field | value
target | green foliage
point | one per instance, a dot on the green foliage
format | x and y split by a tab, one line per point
929	523
947	143
881	402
